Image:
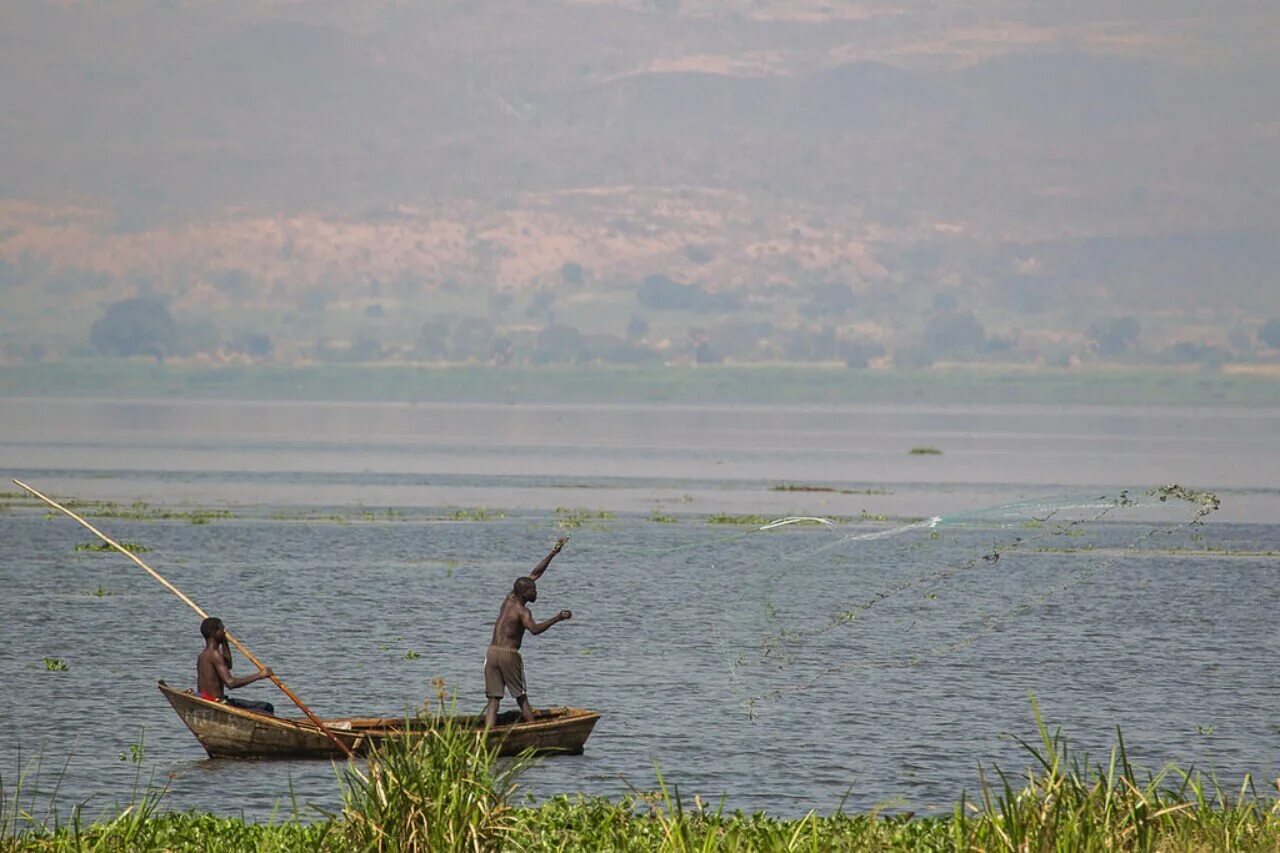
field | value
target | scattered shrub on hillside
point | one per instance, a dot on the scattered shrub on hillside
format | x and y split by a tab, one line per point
141	325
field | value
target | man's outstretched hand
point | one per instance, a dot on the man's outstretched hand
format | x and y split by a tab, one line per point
565	615
546	561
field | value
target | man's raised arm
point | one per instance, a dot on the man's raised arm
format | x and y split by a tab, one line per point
546	561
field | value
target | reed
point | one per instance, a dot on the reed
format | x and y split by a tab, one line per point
447	791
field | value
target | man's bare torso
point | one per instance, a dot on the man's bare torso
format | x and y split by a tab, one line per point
508	630
207	680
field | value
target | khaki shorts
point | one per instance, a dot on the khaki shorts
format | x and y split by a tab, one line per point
503	668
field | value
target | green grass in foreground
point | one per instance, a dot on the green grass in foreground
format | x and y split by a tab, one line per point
445	791
761	384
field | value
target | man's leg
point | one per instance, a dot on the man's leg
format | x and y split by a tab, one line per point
493	687
525	711
252	705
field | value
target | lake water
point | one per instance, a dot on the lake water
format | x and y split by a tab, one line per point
1131	621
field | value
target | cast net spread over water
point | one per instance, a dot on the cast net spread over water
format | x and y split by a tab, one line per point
848	597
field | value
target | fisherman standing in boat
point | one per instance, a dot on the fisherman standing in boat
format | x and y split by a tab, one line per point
503	666
213	670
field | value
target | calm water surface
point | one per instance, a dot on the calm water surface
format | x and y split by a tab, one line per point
675	635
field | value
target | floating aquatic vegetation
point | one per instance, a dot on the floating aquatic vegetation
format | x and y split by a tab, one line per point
142	511
104	548
573	518
476	514
924	451
55	665
727	518
802	487
661	517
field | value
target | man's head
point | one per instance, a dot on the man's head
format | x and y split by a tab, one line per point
525	589
212	629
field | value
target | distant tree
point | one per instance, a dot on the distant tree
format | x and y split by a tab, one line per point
858	354
365	347
1269	334
558	344
1189	352
737	340
950	334
1113	337
541	304
253	344
637	328
809	343
198	336
501	350
572	272
613	350
913	355
471	339
374	310
138	326
705	353
433	339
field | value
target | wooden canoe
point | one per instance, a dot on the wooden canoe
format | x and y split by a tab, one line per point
228	732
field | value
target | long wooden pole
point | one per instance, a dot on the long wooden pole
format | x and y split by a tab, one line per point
244	650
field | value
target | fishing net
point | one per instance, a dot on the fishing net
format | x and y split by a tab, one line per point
841	596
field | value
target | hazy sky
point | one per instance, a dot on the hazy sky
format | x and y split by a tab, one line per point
194	106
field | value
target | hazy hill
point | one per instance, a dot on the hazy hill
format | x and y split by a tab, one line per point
1068	163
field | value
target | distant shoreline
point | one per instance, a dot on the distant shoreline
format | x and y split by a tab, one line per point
761	385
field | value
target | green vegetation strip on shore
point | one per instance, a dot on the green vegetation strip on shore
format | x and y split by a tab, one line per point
763	384
448	791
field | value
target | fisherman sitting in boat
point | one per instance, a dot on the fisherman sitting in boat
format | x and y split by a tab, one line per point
213	670
503	666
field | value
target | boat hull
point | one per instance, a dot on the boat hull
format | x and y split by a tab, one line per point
228	732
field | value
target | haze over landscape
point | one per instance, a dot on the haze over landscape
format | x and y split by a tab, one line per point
659	181
901	380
